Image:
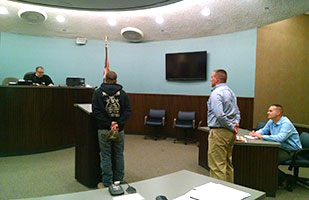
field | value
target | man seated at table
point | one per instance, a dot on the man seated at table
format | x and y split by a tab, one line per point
39	78
281	130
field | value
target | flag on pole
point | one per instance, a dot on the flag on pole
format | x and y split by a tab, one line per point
106	67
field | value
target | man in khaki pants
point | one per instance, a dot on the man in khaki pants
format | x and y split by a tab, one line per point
223	118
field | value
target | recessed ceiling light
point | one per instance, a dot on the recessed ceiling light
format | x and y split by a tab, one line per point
3	10
112	22
60	18
205	12
159	20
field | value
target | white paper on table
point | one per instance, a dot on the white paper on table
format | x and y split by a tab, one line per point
135	196
213	191
251	137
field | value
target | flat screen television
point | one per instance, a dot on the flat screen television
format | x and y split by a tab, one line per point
188	66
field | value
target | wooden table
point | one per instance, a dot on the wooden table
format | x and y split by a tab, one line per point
255	162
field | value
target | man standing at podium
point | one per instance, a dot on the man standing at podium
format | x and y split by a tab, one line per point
223	119
111	108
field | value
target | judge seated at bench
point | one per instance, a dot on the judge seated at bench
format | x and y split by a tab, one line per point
38	77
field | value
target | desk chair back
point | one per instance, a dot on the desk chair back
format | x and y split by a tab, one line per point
185	120
300	159
156	117
7	80
260	125
29	75
304	139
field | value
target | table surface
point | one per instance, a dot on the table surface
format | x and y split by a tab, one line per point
253	142
171	185
85	107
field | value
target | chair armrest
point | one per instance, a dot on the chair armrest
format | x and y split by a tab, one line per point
193	124
296	154
300	151
163	121
200	123
145	119
174	123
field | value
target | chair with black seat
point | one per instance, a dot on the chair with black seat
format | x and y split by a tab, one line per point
186	121
300	159
156	119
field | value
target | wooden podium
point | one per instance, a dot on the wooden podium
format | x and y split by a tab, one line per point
87	159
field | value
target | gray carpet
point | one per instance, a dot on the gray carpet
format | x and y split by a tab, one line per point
53	173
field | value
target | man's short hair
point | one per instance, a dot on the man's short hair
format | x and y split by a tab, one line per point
279	107
111	77
38	67
221	75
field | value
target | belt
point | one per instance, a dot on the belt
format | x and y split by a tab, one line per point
215	127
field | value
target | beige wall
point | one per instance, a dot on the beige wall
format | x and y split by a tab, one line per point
282	69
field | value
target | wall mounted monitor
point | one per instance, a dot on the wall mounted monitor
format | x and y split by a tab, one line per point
187	66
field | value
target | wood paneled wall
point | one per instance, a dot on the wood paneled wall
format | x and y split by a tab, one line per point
141	103
282	69
37	119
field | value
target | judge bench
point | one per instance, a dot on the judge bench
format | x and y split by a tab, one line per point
37	119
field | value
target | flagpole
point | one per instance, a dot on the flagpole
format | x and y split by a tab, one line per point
106	41
106	67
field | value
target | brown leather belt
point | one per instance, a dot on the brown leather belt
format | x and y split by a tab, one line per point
215	127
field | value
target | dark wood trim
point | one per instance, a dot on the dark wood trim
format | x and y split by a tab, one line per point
141	103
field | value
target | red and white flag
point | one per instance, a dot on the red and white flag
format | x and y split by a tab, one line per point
106	67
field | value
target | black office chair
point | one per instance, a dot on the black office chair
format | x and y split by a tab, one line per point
156	119
300	159
260	125
186	121
28	76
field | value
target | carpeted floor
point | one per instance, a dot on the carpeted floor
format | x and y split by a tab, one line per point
53	172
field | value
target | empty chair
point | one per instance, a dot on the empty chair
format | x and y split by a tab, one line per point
155	118
7	80
300	159
185	121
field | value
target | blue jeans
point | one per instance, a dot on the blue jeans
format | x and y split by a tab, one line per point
112	160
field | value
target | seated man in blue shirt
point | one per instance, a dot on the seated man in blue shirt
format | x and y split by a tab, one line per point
281	130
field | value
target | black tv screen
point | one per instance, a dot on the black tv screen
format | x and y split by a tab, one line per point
186	66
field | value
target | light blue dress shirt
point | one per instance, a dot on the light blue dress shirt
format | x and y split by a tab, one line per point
284	132
222	108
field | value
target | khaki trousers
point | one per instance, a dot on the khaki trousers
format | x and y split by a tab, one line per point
220	148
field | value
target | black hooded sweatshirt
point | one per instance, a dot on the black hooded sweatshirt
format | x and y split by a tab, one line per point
110	103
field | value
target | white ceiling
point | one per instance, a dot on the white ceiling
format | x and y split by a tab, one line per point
101	4
182	19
